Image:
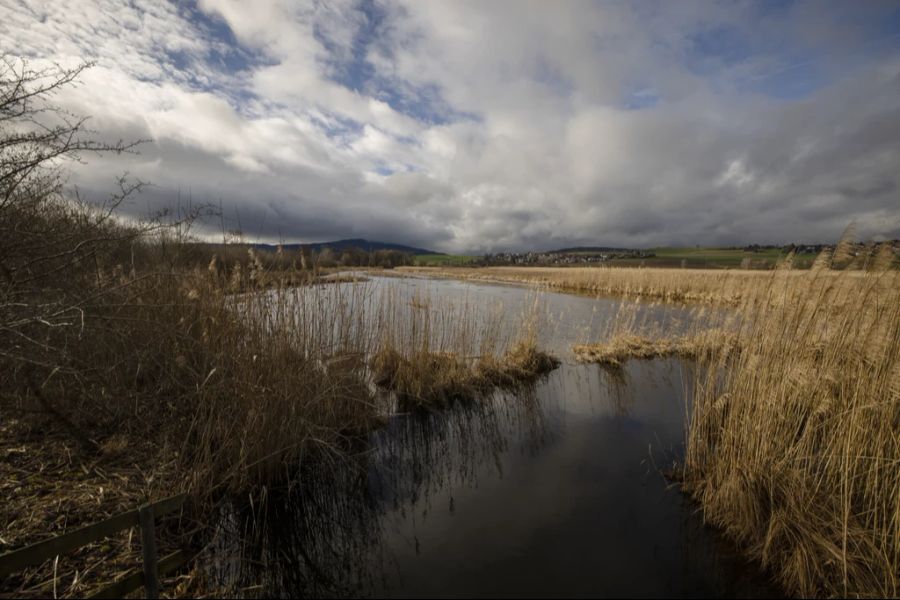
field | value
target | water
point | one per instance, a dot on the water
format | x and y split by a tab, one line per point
565	319
553	491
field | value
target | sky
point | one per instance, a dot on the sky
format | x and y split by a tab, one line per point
490	126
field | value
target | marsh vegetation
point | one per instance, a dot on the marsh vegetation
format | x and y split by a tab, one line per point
304	413
792	444
146	366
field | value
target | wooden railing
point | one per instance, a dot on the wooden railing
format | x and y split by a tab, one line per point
143	517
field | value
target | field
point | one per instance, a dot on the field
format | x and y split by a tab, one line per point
722	257
709	258
442	260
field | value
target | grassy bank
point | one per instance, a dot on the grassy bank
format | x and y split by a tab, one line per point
431	379
627	346
158	382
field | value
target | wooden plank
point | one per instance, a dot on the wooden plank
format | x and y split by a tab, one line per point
171	504
148	552
135	578
39	552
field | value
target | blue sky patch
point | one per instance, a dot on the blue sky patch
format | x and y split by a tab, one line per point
642	99
424	103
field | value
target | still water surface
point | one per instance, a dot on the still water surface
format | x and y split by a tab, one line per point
552	491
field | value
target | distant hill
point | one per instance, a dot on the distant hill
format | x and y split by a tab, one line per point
341	245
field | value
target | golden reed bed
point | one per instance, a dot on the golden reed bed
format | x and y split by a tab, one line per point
672	285
793	444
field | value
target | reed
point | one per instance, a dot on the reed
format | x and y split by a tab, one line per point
432	352
708	286
793	444
626	346
125	384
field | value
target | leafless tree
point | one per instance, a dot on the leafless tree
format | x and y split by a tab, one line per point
49	242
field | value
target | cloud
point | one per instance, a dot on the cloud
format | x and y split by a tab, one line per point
471	126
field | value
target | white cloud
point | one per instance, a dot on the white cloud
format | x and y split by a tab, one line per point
476	125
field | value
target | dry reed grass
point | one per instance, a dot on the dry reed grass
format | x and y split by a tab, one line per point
625	346
669	285
431	353
433	379
711	286
794	443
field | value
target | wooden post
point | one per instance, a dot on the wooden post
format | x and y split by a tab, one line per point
40	552
148	550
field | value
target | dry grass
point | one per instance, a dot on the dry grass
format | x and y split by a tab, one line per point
181	380
712	286
524	363
625	346
170	383
431	353
50	486
656	284
794	443
434	379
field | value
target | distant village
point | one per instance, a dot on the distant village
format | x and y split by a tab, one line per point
594	255
563	257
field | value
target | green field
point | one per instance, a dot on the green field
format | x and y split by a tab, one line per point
702	257
724	257
442	260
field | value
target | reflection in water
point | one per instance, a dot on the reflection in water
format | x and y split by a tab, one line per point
326	536
620	393
496	313
551	490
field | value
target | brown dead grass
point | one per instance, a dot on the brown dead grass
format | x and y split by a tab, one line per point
434	379
49	487
431	352
793	445
668	285
626	346
794	442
